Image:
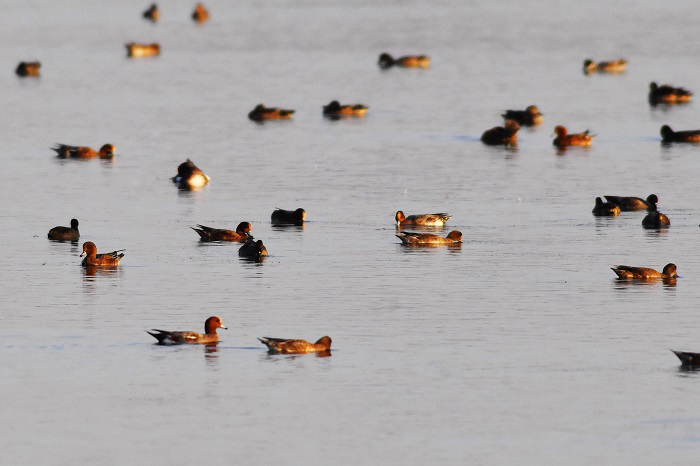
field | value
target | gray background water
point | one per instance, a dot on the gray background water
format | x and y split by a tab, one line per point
519	347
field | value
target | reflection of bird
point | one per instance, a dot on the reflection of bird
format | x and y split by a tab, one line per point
454	237
634	203
432	220
644	273
605	209
284	346
656	220
688	359
65	233
252	249
91	258
165	337
241	235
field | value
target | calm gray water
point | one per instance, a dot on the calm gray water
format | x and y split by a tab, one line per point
518	347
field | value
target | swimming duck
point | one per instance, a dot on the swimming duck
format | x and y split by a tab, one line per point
252	249
605	209
531	116
644	273
428	220
200	14
165	337
655	220
284	346
500	135
408	61
688	359
91	258
413	239
142	50
241	235
64	151
189	176
288	217
28	69
65	233
260	113
564	139
613	66
634	203
668	135
334	109
666	94
152	14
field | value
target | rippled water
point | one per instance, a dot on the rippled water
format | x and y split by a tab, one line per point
518	347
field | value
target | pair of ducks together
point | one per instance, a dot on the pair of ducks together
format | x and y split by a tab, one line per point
274	345
91	258
333	110
425	220
199	15
508	134
653	220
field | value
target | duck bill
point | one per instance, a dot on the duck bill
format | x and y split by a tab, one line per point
83	254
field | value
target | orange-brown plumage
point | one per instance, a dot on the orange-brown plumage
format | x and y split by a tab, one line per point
91	258
285	346
166	337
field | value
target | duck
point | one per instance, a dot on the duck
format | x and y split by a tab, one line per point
531	116
285	346
260	113
200	14
142	50
252	249
634	203
241	235
408	61
189	176
152	13
688	359
644	273
334	109
209	336
655	220
414	239
91	258
502	135
666	94
28	69
668	135
64	151
427	220
564	139
65	233
613	66
288	217
605	209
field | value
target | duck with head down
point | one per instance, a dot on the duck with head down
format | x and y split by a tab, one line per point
423	220
209	336
254	250
286	346
645	273
419	239
605	209
288	217
655	220
190	176
628	203
502	135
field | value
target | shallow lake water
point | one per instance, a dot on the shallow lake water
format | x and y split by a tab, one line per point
520	346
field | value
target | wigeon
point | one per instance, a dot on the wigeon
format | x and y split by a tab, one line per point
655	220
502	135
408	61
260	113
288	217
28	69
688	359
334	109
531	116
64	151
142	50
241	235
427	220
152	13
254	250
564	139
613	66
91	258
644	273
605	209
189	176
668	135
200	14
285	346
666	94
634	203
165	337
414	239
65	233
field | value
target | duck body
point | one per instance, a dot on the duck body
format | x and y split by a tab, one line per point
688	359
334	109
254	250
668	135
288	217
65	233
190	176
166	337
260	113
644	273
531	116
285	346
628	203
200	14
428	220
152	13
605	209
655	220
27	69
666	94
502	135
241	235
564	139
64	151
408	61
417	239
92	259
612	66
142	50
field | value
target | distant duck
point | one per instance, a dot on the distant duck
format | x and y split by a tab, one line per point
666	94
252	249
241	235
28	69
285	346
428	220
531	116
500	135
189	176
64	151
613	66
152	14
200	14
668	135
288	217
605	209
634	203
644	273
260	113
688	359
408	61
334	109
142	50
416	239
91	258
564	139
209	336
65	233
655	220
